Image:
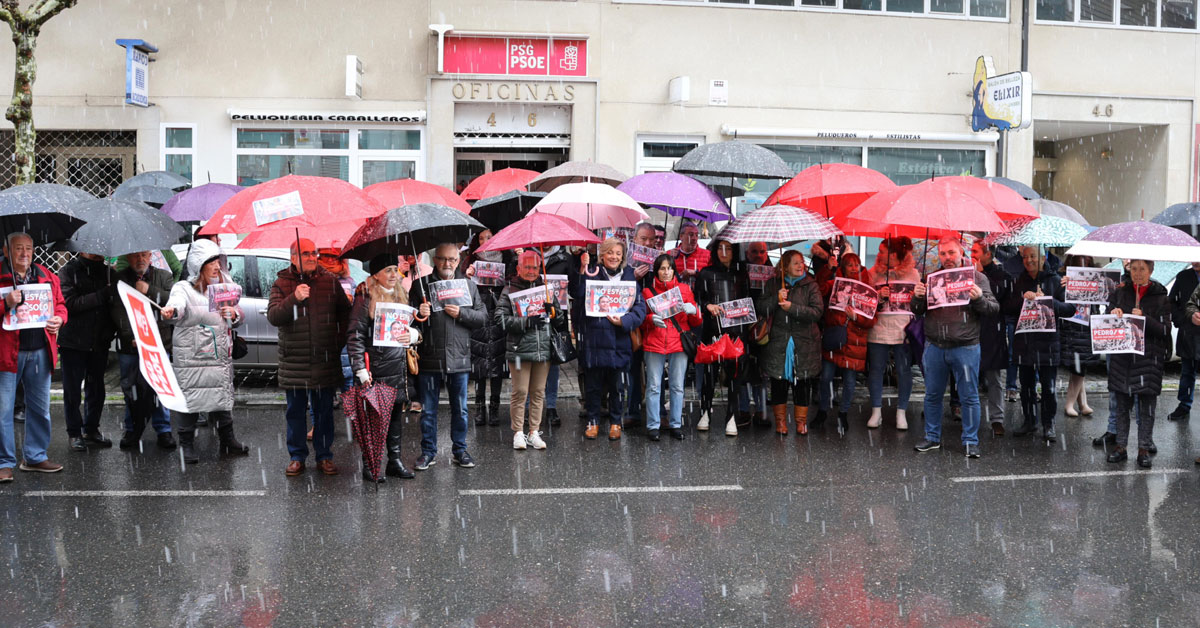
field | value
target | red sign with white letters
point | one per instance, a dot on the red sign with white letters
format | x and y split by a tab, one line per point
523	56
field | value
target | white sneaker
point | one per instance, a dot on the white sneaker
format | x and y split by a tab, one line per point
876	418
702	426
731	427
519	440
535	440
901	421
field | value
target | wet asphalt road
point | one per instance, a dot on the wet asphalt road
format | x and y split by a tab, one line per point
816	531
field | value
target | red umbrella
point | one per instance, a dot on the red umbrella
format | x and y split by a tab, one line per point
831	189
497	183
403	192
369	410
722	349
333	235
293	202
1006	202
922	210
538	230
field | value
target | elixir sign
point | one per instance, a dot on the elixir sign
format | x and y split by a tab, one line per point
1003	101
524	56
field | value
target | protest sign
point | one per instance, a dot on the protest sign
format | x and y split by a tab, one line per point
1113	334
900	300
642	255
1091	285
1082	316
558	287
449	292
609	298
759	275
223	294
489	273
950	287
392	321
277	208
529	302
737	312
666	304
849	294
1037	316
153	361
34	312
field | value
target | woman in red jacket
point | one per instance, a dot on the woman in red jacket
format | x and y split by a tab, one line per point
661	346
851	357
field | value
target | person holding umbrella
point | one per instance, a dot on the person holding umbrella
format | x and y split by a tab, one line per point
83	344
952	343
202	352
311	312
689	256
387	365
792	358
886	340
528	350
606	345
1137	379
721	281
487	342
663	347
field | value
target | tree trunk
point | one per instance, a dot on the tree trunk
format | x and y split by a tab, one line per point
20	109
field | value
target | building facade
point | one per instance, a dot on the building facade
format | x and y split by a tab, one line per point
444	90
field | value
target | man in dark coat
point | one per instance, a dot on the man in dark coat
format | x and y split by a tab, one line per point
1185	345
558	262
446	359
309	307
993	342
141	404
83	345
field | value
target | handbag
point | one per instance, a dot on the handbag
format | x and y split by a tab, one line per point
240	347
761	332
412	356
833	337
562	350
686	340
635	337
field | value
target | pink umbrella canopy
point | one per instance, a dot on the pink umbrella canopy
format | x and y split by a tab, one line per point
498	182
925	209
540	230
292	202
1006	202
1139	240
832	190
403	192
593	205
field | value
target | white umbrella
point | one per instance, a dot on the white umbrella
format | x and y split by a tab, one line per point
593	205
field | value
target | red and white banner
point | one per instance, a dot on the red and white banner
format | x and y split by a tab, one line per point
153	361
523	56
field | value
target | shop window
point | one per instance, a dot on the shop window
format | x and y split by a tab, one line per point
255	169
658	153
674	150
375	154
320	139
1179	14
1138	12
819	3
906	6
946	6
1096	11
1056	10
862	5
906	166
178	150
389	139
380	170
776	3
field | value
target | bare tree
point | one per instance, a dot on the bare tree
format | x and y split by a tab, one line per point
26	26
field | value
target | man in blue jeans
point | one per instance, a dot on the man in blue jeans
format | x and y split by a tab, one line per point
445	356
141	404
952	344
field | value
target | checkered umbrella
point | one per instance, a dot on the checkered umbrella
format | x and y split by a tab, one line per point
778	226
1044	231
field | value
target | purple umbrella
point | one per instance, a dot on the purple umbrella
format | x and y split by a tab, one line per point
677	195
1139	240
199	203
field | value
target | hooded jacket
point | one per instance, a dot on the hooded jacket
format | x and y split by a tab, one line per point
202	340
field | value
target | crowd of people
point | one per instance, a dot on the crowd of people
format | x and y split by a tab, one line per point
634	363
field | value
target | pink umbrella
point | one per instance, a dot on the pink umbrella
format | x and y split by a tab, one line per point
593	205
538	230
833	190
403	192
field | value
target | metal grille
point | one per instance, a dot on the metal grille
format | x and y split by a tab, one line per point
94	161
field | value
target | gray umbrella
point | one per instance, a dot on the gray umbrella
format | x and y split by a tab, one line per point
151	195
43	210
1047	207
1025	191
116	227
720	185
576	172
733	159
498	212
409	230
1182	216
157	179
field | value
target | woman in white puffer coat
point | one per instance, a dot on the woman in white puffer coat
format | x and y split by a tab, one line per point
203	351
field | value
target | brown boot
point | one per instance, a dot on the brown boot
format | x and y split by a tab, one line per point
801	415
780	418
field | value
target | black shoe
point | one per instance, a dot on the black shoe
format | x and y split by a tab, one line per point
1107	439
743	419
927	445
128	441
78	444
481	417
818	420
166	441
187	446
97	439
1153	449
367	477
552	414
1118	455
676	433
972	451
229	443
760	420
1180	413
424	461
1049	435
396	469
494	415
464	460
1143	459
1027	428
652	435
202	420
843	423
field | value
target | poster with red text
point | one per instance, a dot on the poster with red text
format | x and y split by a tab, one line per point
950	287
153	361
34	312
609	298
1118	334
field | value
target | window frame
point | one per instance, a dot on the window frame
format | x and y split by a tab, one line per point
643	164
164	151
837	8
1116	21
355	155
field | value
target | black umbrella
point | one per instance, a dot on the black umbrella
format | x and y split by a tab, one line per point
153	196
1025	191
409	230
1182	216
157	179
734	159
119	227
43	210
720	185
498	212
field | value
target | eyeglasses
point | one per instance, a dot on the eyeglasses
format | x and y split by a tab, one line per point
309	254
445	260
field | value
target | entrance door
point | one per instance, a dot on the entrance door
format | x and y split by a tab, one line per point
470	163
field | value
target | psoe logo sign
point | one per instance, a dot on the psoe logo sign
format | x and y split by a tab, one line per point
1003	101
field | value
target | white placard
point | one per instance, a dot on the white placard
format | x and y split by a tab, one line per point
276	208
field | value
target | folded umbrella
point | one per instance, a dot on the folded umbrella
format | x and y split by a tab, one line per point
401	192
369	410
1139	240
593	205
497	182
498	212
116	227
